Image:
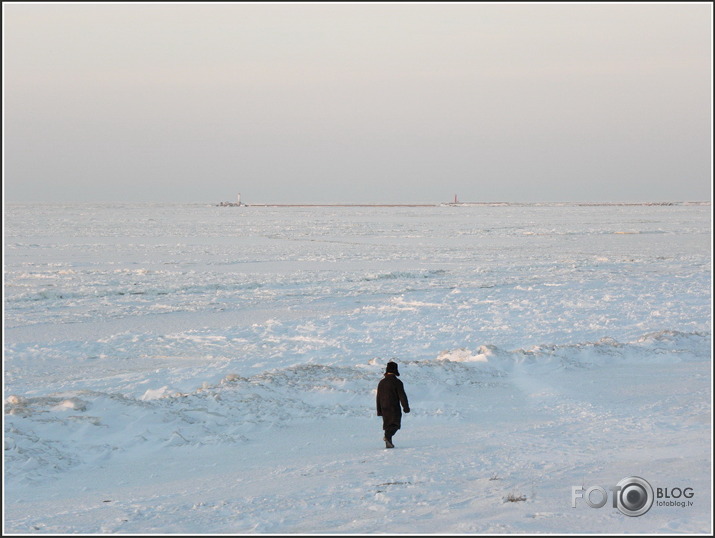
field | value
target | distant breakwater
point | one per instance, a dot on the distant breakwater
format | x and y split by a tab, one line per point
468	204
344	205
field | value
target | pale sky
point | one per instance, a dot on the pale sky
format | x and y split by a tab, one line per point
361	103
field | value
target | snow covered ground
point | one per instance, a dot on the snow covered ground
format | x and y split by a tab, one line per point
195	369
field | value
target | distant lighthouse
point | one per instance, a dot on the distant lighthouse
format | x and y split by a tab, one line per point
238	198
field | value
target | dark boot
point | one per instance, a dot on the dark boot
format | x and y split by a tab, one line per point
388	442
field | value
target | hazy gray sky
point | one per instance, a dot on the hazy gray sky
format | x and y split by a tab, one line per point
357	102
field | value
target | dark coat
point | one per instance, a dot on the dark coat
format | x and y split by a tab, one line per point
390	394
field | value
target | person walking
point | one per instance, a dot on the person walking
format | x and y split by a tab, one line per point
390	394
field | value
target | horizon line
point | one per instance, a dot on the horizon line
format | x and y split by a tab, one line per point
459	203
365	204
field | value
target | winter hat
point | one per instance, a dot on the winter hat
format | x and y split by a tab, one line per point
392	368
